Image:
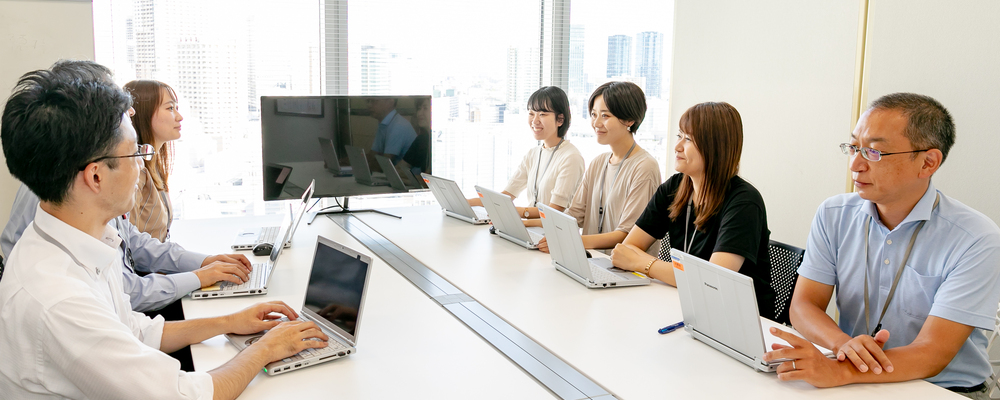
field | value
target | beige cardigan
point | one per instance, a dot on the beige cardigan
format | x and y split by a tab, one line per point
152	212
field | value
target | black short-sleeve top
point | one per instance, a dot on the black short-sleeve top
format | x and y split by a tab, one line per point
739	227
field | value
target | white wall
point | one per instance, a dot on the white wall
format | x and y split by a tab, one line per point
789	68
33	35
951	52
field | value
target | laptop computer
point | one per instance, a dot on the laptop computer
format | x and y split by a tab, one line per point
720	310
276	180
335	299
507	222
359	167
570	258
330	160
260	275
450	197
390	172
250	237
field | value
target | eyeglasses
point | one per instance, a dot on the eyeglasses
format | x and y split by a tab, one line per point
869	153
145	151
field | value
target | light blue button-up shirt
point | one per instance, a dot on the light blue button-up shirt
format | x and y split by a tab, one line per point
953	273
394	135
147	293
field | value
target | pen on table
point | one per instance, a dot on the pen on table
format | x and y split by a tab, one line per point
670	328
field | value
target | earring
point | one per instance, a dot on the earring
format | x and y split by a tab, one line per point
629	128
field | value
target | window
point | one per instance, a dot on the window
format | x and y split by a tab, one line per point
479	60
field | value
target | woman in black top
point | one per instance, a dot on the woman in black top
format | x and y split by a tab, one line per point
708	211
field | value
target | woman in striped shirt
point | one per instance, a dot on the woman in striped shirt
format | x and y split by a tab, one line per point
157	121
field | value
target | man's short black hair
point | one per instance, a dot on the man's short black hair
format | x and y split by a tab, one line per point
929	125
56	121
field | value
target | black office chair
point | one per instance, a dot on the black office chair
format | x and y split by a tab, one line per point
665	248
785	261
1	266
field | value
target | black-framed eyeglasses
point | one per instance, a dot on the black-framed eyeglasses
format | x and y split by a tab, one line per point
145	151
869	153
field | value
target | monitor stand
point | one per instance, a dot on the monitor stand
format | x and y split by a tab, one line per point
345	209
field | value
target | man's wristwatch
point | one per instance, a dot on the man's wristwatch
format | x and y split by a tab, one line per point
526	214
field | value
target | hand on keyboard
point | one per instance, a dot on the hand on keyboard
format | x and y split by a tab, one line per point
219	271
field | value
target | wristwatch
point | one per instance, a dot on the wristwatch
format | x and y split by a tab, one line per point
526	214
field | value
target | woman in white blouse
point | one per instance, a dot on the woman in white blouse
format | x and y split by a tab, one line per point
551	172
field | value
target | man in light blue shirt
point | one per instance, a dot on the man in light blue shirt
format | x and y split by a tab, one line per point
395	134
185	271
897	227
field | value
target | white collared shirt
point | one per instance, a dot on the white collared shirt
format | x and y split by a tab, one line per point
68	329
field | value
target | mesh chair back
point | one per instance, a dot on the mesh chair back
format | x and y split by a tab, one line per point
785	261
1	266
665	248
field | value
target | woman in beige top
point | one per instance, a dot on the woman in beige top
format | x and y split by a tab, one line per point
551	172
157	121
617	184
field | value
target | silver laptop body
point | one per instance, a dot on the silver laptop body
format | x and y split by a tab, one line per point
260	275
335	299
450	197
720	309
390	172
505	219
359	167
330	158
570	258
250	237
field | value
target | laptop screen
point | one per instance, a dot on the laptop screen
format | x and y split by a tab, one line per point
336	286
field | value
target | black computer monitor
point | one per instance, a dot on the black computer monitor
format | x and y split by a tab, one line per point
339	140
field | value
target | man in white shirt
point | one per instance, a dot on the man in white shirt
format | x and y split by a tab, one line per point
68	328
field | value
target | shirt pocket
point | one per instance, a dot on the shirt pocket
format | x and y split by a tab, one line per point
915	292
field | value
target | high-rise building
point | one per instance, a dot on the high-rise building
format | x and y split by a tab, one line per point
522	76
209	79
577	82
619	55
375	72
649	61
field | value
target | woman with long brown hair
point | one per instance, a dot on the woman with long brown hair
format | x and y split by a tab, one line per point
157	121
708	210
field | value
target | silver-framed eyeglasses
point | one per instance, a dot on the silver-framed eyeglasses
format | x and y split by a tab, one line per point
145	151
869	153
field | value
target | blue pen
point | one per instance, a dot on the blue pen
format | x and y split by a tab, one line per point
670	328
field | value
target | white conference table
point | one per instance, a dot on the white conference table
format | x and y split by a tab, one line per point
608	334
408	346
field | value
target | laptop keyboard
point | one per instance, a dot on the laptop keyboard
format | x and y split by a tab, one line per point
256	279
535	236
268	234
480	213
333	346
602	275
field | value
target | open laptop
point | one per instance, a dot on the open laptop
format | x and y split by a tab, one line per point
507	222
250	237
335	299
390	172
359	167
260	275
720	310
332	163
450	197
569	257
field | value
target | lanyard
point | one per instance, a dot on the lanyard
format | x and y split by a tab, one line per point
600	209
899	272
538	177
687	221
